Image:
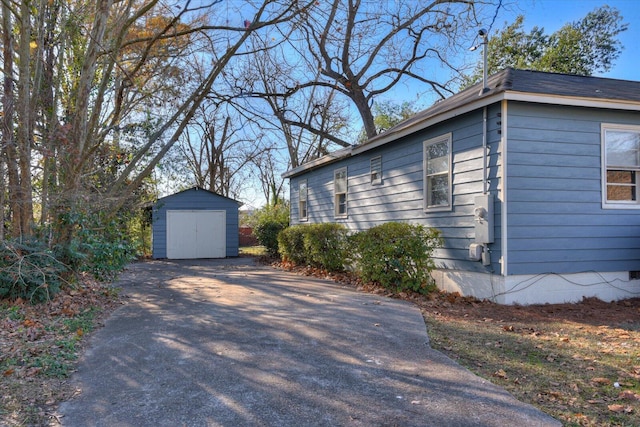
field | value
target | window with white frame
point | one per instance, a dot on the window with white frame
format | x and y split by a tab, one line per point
340	192
376	170
302	199
620	166
437	173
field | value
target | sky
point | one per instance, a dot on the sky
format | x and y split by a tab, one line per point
553	14
550	15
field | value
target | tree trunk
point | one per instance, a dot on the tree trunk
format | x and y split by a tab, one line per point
8	135
76	144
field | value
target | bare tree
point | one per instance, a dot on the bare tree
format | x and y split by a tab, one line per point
310	121
217	150
268	170
363	48
95	90
268	14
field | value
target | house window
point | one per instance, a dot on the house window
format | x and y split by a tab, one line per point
340	192
302	199
376	170
621	166
437	173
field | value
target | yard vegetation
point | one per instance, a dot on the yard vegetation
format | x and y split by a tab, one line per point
580	363
395	255
40	345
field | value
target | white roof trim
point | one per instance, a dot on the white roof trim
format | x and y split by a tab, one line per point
616	104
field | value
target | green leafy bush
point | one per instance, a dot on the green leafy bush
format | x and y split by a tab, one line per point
29	271
326	246
267	223
396	255
319	245
291	244
101	245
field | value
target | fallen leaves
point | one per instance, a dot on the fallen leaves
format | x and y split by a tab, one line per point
629	395
600	381
575	380
500	373
620	408
36	344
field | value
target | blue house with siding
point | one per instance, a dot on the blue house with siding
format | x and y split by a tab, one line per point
532	178
195	223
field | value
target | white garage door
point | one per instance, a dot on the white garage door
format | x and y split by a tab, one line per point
196	234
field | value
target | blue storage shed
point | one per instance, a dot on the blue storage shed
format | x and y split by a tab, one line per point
195	223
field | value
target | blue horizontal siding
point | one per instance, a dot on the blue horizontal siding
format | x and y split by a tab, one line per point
556	222
400	197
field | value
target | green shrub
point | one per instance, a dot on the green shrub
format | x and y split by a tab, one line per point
101	245
291	244
319	245
107	258
396	255
29	271
326	246
267	223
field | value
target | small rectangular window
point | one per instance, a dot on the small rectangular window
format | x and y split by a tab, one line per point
376	170
340	192
302	199
437	173
621	166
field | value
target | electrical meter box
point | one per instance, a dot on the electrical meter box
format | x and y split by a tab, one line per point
483	218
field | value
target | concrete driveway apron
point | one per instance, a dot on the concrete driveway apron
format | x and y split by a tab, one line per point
231	343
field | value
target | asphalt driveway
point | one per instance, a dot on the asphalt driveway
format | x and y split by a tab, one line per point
230	343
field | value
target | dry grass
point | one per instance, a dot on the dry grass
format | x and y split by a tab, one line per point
579	363
256	251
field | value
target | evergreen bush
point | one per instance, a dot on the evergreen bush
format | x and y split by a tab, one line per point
291	244
325	246
396	255
319	245
267	223
101	246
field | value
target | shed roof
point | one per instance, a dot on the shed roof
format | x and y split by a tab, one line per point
509	84
205	191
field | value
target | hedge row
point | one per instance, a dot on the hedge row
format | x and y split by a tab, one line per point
396	255
319	245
